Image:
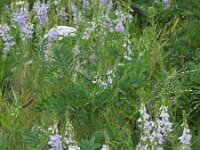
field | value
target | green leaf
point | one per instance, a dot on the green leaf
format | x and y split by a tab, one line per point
4	140
99	136
31	139
89	144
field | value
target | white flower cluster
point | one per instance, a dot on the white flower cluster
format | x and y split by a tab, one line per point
105	147
57	33
166	3
21	3
77	61
60	32
128	52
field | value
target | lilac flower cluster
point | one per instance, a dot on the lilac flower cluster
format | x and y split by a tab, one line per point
86	34
77	17
28	30
128	53
153	133
53	34
85	3
156	137
165	125
106	82
110	5
72	7
103	2
106	4
108	24
42	12
88	31
146	127
119	28
162	127
63	14
7	39
185	139
55	142
21	18
75	13
122	19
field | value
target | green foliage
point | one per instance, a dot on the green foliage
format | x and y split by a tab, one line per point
89	144
4	140
31	139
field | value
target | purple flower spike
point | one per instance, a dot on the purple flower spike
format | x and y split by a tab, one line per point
120	28
55	142
7	39
42	13
85	3
21	18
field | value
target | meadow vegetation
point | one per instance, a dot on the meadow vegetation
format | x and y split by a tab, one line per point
100	75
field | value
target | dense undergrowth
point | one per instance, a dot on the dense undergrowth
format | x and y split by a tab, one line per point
100	74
